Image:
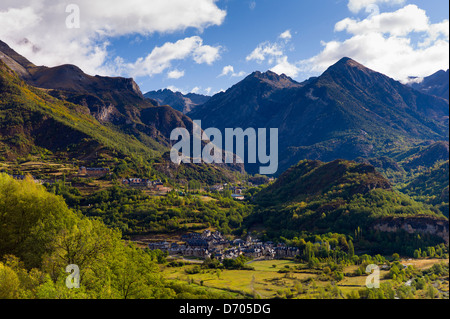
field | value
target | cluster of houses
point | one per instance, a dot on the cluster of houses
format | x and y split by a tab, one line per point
140	183
237	191
208	244
96	172
155	185
221	187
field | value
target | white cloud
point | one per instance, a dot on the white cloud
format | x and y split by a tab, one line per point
229	70
206	54
175	74
387	43
200	90
219	91
176	89
274	54
50	42
356	6
286	35
399	23
284	67
161	58
265	50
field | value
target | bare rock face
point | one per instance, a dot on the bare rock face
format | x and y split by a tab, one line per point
421	225
106	113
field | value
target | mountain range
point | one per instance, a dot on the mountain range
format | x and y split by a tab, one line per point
337	133
111	100
349	111
184	103
63	110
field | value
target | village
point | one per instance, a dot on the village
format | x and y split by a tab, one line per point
213	244
153	186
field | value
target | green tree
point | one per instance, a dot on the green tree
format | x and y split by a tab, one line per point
30	218
431	292
351	249
9	283
417	254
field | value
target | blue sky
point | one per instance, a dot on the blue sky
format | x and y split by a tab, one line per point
244	28
164	44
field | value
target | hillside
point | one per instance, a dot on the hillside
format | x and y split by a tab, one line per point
428	156
310	179
111	100
431	187
32	121
62	110
340	196
348	112
41	236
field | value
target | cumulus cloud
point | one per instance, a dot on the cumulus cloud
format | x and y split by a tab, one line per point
175	74
206	54
274	55
387	42
229	71
286	35
399	23
356	6
196	90
265	50
200	90
284	67
176	89
161	58
37	29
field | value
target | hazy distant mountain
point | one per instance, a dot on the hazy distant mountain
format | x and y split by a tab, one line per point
349	111
436	84
180	102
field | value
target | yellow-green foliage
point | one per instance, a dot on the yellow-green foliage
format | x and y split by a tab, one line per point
20	104
30	218
40	237
9	283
